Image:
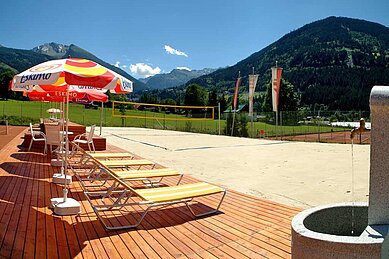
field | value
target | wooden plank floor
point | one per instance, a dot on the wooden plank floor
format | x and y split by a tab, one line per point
247	227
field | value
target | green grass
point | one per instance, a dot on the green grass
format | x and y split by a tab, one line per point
23	112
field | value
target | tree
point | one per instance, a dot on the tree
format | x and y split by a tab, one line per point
115	97
178	94
122	107
5	78
196	95
257	102
240	125
212	98
148	97
223	102
169	101
289	99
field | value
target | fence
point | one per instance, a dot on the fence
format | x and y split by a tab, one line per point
317	126
302	125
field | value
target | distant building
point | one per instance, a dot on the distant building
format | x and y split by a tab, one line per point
241	107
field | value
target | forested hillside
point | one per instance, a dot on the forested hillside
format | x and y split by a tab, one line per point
334	62
19	59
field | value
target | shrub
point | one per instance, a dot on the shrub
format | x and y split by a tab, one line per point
16	120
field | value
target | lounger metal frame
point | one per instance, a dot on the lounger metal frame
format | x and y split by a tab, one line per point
96	173
119	194
122	201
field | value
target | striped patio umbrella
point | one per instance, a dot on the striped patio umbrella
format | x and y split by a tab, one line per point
64	72
61	74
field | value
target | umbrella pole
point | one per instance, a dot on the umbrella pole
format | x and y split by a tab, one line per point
65	190
62	115
66	206
60	178
101	117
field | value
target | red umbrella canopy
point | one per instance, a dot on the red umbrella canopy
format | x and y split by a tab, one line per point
64	72
77	94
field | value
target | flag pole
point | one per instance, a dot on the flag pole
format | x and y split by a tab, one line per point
234	106
252	116
277	124
233	122
219	116
277	110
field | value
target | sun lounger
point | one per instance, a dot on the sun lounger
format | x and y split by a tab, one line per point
93	173
122	195
133	174
150	198
146	176
126	163
101	177
84	158
114	160
108	156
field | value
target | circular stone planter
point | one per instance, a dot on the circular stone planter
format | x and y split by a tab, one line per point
326	232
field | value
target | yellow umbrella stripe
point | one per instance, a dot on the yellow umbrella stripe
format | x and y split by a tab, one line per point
86	71
60	81
80	60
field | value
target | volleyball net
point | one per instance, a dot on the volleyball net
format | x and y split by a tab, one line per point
161	111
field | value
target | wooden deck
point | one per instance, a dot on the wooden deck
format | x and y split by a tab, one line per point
247	227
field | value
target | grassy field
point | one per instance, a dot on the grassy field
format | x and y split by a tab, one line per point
32	111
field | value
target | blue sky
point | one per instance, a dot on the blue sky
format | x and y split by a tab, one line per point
145	37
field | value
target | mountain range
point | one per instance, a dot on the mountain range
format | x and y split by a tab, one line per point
19	60
332	62
175	78
52	49
335	61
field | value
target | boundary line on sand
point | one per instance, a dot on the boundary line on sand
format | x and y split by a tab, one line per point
141	142
197	148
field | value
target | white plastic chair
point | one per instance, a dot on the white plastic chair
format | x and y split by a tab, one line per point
53	137
86	138
37	136
37	127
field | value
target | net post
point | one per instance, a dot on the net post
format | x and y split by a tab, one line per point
219	112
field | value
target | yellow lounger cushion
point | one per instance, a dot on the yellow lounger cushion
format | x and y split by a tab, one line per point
179	192
123	163
134	174
110	155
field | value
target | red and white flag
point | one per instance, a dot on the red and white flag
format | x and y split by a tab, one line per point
276	73
236	92
252	84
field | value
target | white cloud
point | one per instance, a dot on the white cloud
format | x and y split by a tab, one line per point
184	68
117	64
144	70
174	51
